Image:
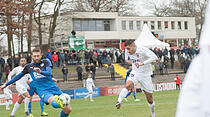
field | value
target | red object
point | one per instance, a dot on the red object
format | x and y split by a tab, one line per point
106	91
122	45
55	57
178	81
156	35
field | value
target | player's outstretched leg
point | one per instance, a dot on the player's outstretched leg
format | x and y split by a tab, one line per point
124	92
151	103
42	108
57	103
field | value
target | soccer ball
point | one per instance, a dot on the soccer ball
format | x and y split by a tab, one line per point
65	98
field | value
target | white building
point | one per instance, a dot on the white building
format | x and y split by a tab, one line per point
105	29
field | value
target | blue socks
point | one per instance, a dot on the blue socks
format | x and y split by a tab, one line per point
134	95
42	106
63	114
128	94
29	107
54	104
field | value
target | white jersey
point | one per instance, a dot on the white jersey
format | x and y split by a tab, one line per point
143	55
90	83
22	81
7	93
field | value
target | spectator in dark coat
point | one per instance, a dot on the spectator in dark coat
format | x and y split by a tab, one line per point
112	72
99	58
165	64
2	63
172	62
9	61
79	72
29	58
62	58
16	61
93	71
87	68
65	73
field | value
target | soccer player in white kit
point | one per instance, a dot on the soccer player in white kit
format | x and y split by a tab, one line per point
194	98
21	87
90	85
8	97
141	59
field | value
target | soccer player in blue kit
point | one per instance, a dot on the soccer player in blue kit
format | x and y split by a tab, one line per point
41	74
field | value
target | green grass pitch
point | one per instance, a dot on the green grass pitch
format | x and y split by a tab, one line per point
165	101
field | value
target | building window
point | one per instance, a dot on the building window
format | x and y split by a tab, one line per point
99	25
172	25
159	25
85	26
131	25
138	25
152	25
92	25
185	25
166	24
115	42
179	25
100	43
77	25
107	25
123	25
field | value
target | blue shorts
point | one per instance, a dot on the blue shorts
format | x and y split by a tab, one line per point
31	91
46	94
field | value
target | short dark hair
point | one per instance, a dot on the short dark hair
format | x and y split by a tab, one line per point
128	42
37	49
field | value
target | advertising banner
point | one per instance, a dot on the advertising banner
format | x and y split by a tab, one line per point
70	92
81	93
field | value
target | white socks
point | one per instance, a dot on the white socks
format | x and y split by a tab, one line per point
15	108
122	95
91	98
26	102
7	104
152	109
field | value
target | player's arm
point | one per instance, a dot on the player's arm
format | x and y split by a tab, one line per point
48	71
15	78
151	56
12	73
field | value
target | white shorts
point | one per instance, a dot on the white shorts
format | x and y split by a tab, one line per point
7	93
90	89
145	81
21	90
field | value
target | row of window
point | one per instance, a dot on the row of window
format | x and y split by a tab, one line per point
91	25
152	25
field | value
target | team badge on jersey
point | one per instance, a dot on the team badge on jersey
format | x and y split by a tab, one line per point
42	65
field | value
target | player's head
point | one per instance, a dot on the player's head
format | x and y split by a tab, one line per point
36	55
89	76
130	46
22	61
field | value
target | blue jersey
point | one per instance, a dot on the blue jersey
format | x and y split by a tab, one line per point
127	75
41	82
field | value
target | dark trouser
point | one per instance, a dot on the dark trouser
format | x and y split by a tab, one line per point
93	76
100	64
65	77
79	76
177	87
112	76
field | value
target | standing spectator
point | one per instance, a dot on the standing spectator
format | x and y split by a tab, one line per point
55	59
99	58
2	63
49	55
82	55
71	58
111	55
117	56
66	57
93	71
109	60
65	73
62	58
16	61
94	58
172	52
29	58
165	52
87	57
178	82
84	78
172	62
87	68
7	69
165	64
9	61
112	72
182	61
161	68
79	72
122	57
104	55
